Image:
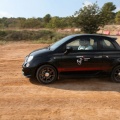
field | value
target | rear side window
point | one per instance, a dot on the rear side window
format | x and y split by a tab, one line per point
107	45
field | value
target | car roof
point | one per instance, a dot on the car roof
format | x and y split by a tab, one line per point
98	35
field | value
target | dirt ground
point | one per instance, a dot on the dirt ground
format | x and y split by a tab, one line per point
66	99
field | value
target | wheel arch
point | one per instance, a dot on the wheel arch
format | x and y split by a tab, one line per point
115	64
113	76
46	64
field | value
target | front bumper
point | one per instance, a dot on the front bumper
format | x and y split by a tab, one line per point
29	71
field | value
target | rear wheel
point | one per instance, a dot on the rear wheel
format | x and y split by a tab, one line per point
46	74
115	76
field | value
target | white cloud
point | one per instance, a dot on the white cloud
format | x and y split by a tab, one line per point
5	14
86	3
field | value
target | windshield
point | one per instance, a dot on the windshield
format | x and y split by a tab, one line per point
60	42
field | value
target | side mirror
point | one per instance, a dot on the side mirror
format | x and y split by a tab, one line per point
68	49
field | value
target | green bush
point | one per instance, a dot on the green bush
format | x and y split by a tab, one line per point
42	36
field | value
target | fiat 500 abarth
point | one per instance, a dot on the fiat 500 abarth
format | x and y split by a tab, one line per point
75	55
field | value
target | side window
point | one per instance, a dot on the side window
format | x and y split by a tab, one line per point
107	45
74	44
84	43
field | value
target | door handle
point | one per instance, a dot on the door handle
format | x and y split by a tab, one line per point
98	56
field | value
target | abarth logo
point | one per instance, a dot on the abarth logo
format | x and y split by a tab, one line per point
79	61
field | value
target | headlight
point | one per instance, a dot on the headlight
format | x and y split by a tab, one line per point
29	58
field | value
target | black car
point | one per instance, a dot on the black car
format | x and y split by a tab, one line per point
75	55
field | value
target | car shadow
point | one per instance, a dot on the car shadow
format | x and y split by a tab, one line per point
82	84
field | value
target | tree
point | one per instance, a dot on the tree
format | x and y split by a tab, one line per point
20	22
47	18
117	18
89	18
54	22
107	12
32	23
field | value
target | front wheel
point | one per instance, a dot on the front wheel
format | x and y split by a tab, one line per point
46	74
115	76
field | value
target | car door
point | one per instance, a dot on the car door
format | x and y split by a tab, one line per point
84	56
109	53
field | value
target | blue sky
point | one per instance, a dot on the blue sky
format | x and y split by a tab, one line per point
39	8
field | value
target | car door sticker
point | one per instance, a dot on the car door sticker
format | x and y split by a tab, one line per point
81	59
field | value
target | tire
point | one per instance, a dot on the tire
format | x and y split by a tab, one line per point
115	76
46	74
